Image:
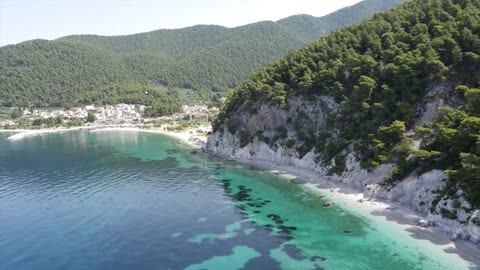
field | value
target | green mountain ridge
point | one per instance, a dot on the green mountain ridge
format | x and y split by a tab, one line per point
312	28
209	59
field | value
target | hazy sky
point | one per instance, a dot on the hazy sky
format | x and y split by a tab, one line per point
22	20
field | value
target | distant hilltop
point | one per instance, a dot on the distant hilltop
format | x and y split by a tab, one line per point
163	68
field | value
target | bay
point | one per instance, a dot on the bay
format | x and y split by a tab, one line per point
132	200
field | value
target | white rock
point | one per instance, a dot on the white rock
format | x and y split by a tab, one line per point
423	222
473	227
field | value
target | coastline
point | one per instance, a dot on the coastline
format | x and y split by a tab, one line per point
340	194
188	136
23	133
353	199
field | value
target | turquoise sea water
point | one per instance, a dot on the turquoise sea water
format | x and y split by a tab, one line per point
130	200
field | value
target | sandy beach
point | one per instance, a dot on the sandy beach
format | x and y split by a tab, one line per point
188	136
23	133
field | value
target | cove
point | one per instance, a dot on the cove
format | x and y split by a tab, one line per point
132	200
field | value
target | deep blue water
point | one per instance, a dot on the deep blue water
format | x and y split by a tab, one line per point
129	200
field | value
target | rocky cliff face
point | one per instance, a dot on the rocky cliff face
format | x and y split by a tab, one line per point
273	128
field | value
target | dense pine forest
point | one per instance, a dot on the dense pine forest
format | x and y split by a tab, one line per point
380	73
159	67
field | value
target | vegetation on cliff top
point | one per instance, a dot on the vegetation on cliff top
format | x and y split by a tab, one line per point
380	72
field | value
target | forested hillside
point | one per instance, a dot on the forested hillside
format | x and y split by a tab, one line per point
405	88
208	59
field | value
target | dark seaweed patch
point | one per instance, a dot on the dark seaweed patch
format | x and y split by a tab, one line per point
241	196
263	262
287	228
317	258
273	216
294	252
285	237
268	229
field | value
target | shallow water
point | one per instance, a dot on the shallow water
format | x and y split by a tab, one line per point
130	200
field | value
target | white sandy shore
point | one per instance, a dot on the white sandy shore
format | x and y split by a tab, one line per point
187	136
23	133
386	213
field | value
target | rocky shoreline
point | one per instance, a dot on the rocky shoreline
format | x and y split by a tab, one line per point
407	203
